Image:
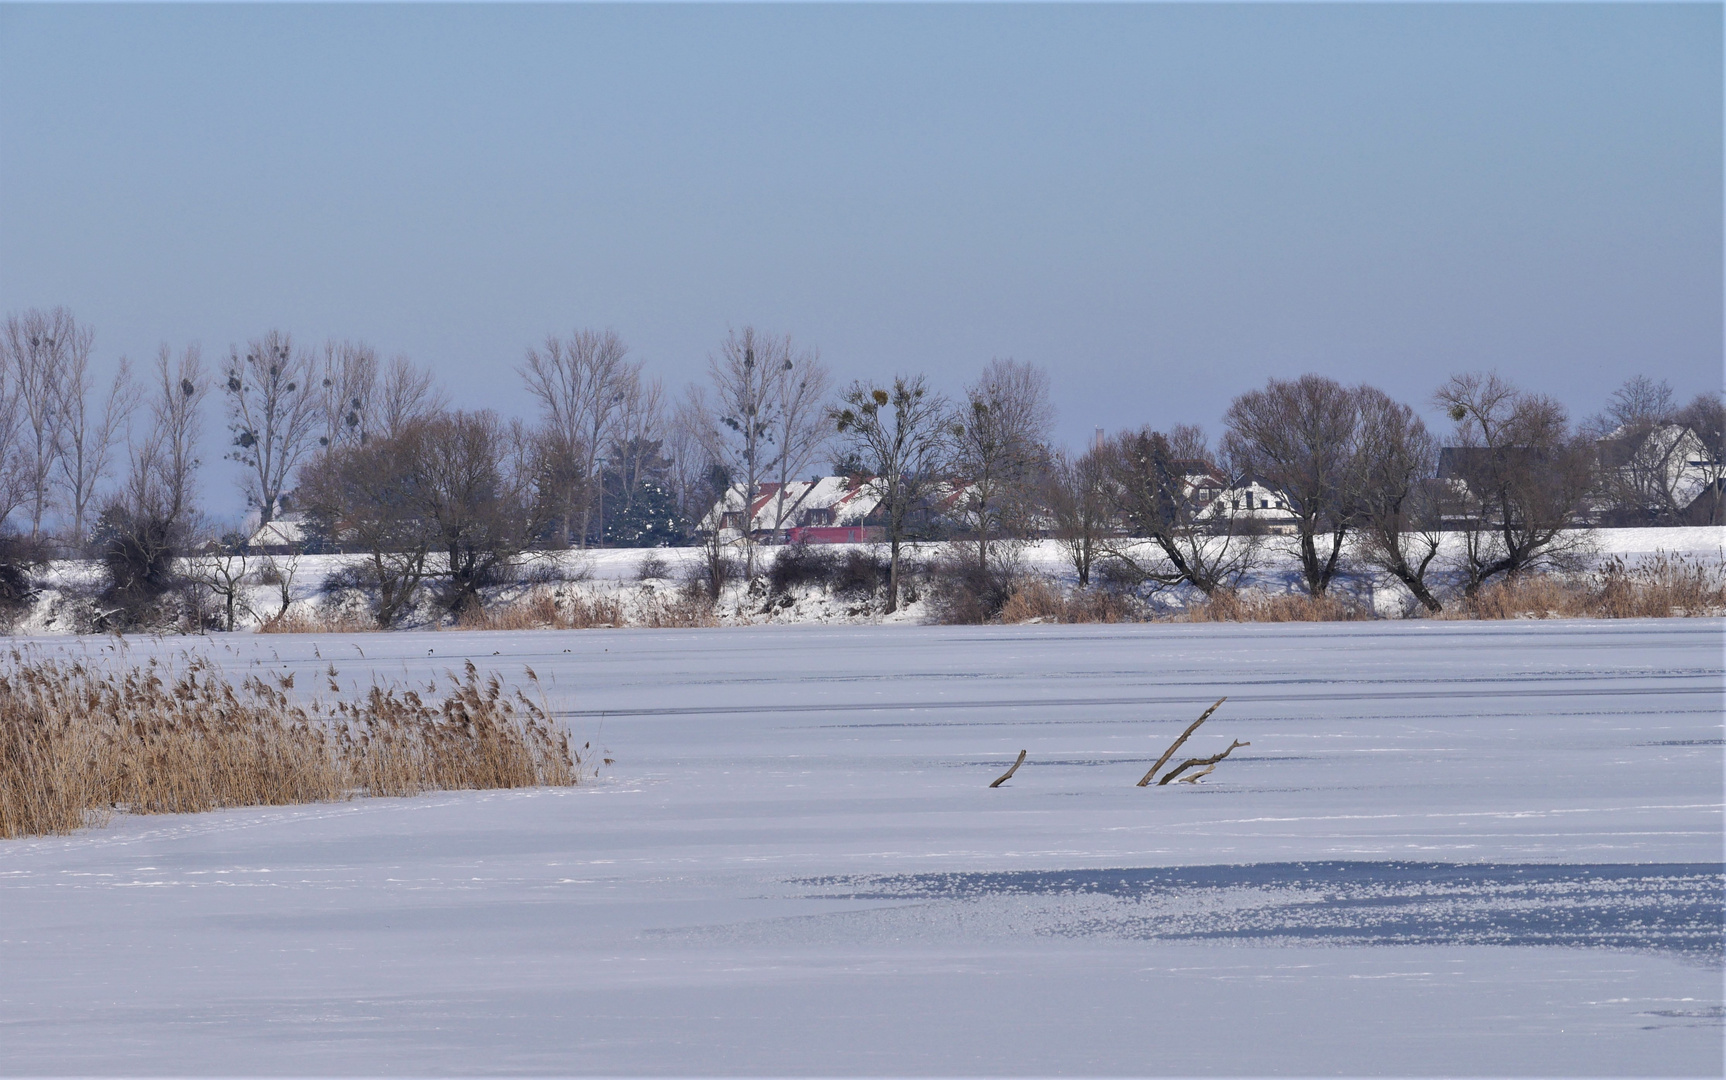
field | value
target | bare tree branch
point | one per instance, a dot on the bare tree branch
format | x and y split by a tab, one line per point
1004	777
1176	745
1191	762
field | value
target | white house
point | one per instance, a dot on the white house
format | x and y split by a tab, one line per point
284	531
1249	499
1665	469
823	509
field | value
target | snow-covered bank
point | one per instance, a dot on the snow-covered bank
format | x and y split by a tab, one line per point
612	579
796	866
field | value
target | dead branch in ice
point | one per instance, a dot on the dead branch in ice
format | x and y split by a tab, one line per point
1176	745
1194	778
1002	779
1191	762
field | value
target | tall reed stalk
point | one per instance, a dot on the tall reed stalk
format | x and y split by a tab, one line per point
78	741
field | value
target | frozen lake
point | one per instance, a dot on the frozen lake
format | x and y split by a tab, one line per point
1480	848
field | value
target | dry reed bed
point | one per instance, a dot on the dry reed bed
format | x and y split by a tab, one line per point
539	608
77	742
1664	586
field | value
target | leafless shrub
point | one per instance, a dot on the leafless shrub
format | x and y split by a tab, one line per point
77	742
1039	600
652	568
707	577
964	591
801	565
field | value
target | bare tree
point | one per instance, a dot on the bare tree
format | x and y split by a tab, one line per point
1706	416
580	382
478	511
346	393
698	485
1174	535
1000	449
1517	477
36	346
87	437
150	519
164	463
640	421
1653	461
279	571
636	497
741	420
446	497
14	484
902	435
221	570
1075	493
407	395
273	415
1640	402
802	429
1398	511
364	498
1300	437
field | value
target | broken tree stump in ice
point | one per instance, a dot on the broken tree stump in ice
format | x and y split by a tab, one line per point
1002	779
1176	745
1193	761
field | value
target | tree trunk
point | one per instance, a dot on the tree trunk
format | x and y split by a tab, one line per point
893	573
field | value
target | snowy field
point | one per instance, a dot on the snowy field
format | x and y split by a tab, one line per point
1451	848
66	598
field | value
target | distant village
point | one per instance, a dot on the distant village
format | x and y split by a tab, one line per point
336	450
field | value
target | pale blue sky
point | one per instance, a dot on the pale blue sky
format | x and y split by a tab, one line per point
1162	204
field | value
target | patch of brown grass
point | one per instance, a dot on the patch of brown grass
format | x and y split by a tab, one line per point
1229	606
548	609
1664	586
319	621
674	610
1037	600
77	742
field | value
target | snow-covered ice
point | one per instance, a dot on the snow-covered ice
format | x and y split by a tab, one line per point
1480	848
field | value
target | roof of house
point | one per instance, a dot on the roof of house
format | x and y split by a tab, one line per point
284	530
850	499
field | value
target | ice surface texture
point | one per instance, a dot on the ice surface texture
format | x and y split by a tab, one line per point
1451	848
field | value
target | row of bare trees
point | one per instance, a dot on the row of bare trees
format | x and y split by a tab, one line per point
380	465
1512	483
